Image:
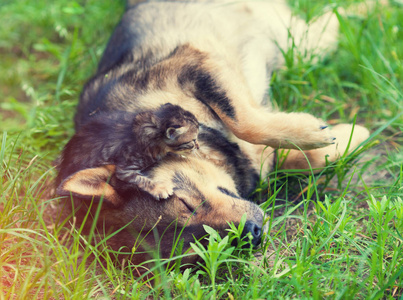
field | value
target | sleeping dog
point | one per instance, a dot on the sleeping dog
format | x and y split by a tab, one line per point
214	59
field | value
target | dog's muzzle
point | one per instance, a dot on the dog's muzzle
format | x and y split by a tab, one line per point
255	232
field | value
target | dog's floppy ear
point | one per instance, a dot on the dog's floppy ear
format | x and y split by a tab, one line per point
91	184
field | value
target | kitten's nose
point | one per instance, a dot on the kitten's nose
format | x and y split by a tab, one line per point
197	145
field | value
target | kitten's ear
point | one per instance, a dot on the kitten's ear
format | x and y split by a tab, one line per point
155	121
172	132
147	125
91	184
146	119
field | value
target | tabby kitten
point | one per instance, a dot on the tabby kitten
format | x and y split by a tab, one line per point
133	142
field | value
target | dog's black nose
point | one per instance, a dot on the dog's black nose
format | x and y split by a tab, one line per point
256	233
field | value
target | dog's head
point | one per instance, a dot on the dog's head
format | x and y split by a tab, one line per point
203	195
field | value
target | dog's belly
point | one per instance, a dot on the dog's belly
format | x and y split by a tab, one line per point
250	34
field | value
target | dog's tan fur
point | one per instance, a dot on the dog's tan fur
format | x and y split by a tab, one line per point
214	59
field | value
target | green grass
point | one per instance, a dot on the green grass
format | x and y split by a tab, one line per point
332	236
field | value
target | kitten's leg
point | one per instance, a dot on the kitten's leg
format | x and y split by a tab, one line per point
157	189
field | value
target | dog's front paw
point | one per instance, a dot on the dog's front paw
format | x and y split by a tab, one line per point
318	135
310	132
349	136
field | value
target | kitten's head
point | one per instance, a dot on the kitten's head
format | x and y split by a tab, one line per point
180	128
170	126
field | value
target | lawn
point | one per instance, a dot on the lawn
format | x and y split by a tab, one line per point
335	235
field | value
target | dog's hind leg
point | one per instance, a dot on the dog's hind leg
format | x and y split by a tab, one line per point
276	23
317	38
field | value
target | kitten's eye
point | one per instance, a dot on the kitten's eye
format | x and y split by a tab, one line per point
185	146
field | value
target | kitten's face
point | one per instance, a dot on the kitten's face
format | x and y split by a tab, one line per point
179	127
182	138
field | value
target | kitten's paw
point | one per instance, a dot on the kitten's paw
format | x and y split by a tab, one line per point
160	191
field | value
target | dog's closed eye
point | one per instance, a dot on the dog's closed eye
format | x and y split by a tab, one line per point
188	205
